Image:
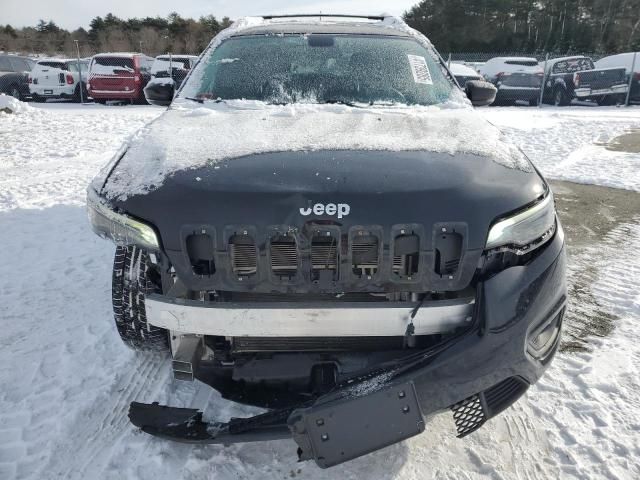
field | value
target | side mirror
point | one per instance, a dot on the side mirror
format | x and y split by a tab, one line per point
480	93
159	91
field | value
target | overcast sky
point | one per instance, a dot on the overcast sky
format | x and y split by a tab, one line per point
72	14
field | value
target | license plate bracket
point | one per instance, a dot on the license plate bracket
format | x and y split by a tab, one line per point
48	92
352	427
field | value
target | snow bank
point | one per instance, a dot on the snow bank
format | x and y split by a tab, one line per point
8	104
187	137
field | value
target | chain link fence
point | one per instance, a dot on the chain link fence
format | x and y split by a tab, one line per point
520	79
547	78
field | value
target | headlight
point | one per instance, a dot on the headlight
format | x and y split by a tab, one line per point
122	229
526	230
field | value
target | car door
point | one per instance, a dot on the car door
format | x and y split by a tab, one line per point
6	74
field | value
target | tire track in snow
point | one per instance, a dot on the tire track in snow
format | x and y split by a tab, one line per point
95	432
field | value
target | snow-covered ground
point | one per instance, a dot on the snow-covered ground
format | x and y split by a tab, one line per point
568	143
66	380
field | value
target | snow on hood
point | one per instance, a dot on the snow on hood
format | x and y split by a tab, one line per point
189	136
9	104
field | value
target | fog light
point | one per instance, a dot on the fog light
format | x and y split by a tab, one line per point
544	338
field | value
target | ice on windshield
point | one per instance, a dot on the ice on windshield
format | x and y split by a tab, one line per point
317	68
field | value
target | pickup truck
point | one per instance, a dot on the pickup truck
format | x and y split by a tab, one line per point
576	77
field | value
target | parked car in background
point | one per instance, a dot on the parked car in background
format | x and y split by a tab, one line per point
119	76
173	66
517	78
463	73
58	78
14	71
569	78
624	60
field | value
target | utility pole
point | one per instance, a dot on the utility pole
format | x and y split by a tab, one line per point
632	74
79	72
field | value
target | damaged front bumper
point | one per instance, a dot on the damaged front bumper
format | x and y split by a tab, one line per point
476	374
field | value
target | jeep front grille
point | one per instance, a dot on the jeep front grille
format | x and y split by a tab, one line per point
364	255
324	255
406	255
284	256
243	255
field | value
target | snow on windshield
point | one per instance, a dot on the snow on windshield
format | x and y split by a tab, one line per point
188	137
323	68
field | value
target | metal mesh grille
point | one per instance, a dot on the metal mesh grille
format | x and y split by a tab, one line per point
468	415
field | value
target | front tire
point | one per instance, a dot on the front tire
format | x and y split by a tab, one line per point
131	281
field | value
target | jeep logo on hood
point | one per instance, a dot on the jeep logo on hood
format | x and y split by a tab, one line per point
340	209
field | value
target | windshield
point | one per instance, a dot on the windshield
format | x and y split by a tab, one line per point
324	68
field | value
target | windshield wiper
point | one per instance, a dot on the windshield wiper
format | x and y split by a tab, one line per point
194	99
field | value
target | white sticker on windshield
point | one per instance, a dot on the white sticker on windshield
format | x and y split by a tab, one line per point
420	70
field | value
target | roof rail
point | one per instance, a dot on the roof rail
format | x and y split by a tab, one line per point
306	15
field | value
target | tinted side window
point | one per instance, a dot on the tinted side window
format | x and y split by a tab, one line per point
52	64
5	65
19	65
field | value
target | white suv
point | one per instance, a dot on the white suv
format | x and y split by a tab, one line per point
58	78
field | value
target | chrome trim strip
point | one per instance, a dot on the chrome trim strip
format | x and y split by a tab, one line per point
348	319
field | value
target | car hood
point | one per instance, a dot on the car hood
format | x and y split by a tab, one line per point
378	188
390	168
187	139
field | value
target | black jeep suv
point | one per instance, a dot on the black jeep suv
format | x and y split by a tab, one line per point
321	225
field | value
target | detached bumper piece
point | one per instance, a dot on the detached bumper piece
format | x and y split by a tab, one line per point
472	412
185	425
329	433
361	419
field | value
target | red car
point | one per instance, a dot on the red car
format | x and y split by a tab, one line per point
119	76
